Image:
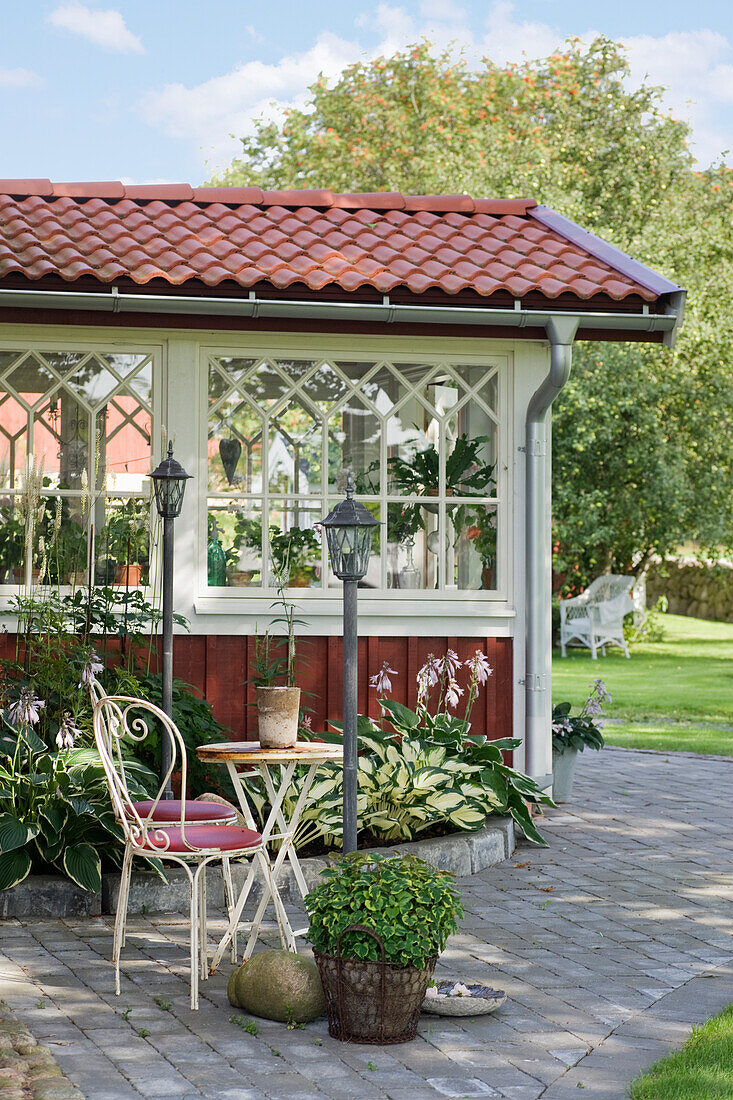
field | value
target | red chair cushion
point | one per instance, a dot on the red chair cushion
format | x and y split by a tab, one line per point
199	813
225	838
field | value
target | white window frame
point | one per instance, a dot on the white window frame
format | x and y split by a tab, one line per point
27	341
257	601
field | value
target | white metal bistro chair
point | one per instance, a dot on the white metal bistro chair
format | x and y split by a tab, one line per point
191	845
168	813
595	618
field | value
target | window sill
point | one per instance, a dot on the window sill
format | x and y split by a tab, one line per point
369	606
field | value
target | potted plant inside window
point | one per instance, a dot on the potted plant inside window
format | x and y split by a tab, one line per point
127	540
12	544
377	925
244	557
571	734
465	474
292	556
481	533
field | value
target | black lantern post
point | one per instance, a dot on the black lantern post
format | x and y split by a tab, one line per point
349	530
169	481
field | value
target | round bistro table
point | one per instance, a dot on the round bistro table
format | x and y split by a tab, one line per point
277	767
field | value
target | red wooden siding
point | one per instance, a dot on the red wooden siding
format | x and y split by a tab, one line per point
218	666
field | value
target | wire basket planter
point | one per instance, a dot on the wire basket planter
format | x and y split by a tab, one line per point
372	1002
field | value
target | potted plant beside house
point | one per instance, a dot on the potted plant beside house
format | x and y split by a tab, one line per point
571	734
377	925
278	705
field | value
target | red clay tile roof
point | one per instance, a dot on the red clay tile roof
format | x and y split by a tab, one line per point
310	239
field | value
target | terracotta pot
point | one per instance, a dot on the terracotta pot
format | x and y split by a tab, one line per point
278	709
299	580
129	574
487	576
239	579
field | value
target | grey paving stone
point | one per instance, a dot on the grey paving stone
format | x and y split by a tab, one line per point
617	963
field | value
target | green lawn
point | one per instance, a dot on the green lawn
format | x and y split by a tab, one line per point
673	694
701	1070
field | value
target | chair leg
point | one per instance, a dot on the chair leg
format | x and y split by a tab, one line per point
203	932
194	926
121	915
231	901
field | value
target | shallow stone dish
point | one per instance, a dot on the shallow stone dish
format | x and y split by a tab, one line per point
451	998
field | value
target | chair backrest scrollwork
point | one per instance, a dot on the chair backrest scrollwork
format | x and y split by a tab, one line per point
120	723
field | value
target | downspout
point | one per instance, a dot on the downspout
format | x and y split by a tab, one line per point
538	743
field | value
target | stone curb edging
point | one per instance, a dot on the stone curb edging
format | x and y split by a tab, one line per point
28	1069
55	897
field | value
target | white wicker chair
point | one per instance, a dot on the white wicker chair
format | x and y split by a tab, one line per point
595	618
191	845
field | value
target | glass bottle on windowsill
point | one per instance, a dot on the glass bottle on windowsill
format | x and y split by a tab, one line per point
409	573
216	560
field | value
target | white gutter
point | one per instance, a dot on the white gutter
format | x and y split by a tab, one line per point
537	684
113	301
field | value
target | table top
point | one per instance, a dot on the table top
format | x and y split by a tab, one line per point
251	752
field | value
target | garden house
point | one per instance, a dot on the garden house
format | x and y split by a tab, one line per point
282	340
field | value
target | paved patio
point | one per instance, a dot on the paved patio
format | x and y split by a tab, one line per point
610	944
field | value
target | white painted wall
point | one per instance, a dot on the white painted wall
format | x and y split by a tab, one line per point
182	417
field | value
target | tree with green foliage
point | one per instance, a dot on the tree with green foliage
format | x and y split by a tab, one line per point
642	441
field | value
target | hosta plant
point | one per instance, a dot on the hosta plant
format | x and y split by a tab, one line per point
411	906
55	811
580	731
503	789
403	788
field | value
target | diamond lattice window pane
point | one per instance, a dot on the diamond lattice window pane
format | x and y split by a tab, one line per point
325	387
354	435
295	448
13	441
93	383
31	380
125	457
235	448
61	441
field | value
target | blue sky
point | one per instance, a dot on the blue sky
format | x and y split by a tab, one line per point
151	90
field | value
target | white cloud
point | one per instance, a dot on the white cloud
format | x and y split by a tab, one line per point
697	66
509	40
19	78
104	28
211	112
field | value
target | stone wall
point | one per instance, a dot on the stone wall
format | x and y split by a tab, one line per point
703	590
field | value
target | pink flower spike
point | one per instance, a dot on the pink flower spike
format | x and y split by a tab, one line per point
451	664
480	667
381	680
452	694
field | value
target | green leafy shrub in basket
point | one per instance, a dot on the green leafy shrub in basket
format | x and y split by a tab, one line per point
411	906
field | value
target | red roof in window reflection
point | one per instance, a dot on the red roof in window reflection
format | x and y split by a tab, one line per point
244	236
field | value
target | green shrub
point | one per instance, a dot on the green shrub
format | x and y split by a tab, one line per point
57	813
411	906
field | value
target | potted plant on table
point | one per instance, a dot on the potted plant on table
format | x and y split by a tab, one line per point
377	926
278	705
571	734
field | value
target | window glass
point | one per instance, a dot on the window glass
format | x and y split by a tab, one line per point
421	440
76	446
